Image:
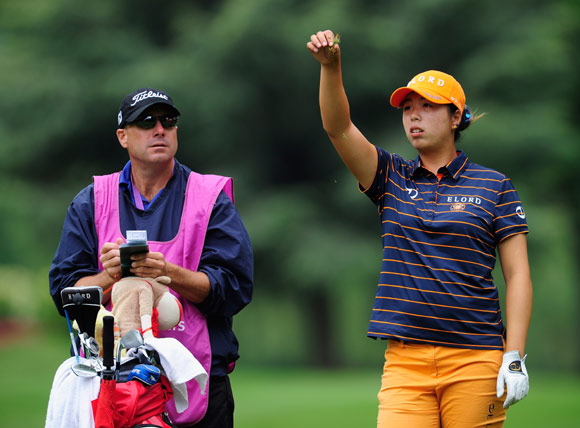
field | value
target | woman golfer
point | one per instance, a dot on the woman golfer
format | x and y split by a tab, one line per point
451	359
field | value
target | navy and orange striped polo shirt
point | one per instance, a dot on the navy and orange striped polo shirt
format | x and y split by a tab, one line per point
439	249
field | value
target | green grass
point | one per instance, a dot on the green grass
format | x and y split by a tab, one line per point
269	397
308	398
289	398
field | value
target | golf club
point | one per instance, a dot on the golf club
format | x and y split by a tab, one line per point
90	345
91	350
133	339
79	369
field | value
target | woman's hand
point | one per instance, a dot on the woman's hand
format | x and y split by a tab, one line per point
324	47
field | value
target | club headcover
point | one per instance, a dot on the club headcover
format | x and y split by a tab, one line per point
83	305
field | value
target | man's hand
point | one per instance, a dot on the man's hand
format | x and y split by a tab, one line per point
514	375
324	47
193	286
111	258
149	265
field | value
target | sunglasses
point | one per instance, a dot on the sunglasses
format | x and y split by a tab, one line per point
149	122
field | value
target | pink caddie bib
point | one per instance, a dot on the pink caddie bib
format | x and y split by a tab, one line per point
183	250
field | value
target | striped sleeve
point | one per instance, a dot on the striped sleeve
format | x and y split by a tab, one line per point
510	217
386	164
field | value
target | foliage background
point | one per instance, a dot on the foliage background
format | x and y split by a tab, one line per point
247	87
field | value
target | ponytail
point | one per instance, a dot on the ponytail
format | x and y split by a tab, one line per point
466	118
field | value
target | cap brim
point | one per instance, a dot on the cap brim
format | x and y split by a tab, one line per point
400	94
134	115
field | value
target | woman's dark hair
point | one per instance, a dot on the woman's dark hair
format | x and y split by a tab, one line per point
466	119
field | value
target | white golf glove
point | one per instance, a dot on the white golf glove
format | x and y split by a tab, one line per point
514	375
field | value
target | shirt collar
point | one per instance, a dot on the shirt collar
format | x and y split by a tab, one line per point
458	165
455	168
125	178
126	184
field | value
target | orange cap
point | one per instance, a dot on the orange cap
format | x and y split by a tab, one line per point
435	86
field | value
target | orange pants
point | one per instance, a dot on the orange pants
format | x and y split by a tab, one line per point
426	386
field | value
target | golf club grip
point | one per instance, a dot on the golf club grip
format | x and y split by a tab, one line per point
108	340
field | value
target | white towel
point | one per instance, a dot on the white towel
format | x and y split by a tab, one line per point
70	399
180	366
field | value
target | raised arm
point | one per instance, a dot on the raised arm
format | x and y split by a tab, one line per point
357	153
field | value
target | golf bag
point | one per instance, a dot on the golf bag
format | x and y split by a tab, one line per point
132	393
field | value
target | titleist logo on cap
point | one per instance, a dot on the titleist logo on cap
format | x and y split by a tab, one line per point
147	94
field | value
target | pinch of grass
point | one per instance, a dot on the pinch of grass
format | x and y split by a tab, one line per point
332	49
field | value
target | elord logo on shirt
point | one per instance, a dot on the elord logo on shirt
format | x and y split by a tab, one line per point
463	200
520	212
